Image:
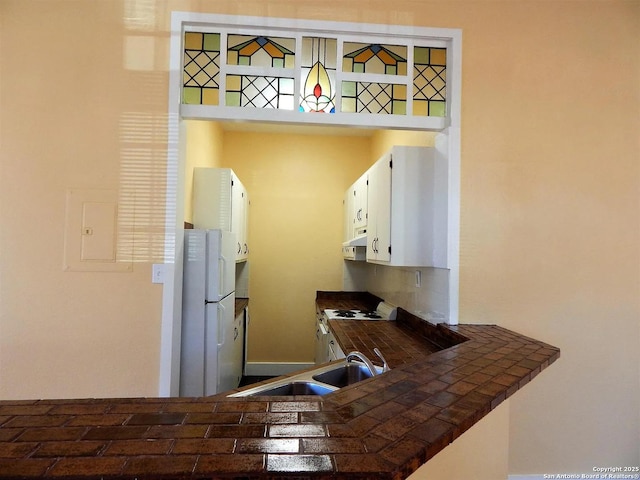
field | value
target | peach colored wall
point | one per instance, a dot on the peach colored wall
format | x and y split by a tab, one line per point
550	214
72	116
296	184
479	454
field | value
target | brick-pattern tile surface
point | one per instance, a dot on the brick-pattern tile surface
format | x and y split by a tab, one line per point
443	380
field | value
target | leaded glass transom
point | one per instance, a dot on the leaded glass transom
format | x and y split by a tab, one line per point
375	58
260	92
362	97
201	68
314	74
260	51
429	81
318	75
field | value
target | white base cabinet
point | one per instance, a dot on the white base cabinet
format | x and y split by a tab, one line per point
239	342
220	200
334	351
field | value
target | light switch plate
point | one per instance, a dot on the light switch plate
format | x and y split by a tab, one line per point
157	273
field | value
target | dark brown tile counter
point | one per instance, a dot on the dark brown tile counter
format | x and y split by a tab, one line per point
384	427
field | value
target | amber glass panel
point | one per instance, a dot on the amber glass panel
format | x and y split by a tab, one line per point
429	81
261	51
374	58
201	68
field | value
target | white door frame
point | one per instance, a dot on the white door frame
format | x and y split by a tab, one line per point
174	223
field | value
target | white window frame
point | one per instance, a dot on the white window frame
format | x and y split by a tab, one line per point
268	26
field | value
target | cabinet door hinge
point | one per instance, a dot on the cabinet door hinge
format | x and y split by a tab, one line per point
389	249
390	161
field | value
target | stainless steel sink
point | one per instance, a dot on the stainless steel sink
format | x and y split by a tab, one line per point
344	375
295	388
319	381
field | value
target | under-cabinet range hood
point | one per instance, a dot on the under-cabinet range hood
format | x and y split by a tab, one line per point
360	241
355	249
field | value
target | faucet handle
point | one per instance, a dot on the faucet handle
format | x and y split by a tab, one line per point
385	366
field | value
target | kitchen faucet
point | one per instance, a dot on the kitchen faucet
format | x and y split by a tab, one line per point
362	357
385	365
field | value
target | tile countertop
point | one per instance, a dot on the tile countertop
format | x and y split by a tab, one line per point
384	427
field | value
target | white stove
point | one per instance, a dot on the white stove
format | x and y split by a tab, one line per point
384	311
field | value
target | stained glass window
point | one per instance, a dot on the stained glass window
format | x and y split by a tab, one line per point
314	74
318	84
429	81
201	68
374	58
260	92
261	51
362	97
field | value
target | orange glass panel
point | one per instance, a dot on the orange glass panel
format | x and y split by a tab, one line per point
193	41
438	56
386	58
273	51
363	57
249	49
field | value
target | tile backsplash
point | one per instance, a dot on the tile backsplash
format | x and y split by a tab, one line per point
397	285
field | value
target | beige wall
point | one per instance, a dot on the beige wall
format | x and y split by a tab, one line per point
296	184
550	213
478	454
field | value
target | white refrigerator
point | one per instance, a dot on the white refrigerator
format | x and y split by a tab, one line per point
207	360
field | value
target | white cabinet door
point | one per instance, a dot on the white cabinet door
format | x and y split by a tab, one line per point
220	200
239	218
379	211
348	215
238	344
355	208
360	191
407	223
335	352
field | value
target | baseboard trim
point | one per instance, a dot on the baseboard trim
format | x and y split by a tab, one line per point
264	369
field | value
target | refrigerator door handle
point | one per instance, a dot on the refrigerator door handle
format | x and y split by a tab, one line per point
222	265
221	329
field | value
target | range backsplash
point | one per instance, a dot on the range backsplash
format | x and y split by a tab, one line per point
397	285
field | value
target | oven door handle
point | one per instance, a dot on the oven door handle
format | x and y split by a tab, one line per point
323	330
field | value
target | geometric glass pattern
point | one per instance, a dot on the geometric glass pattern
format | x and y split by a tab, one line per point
318	75
253	68
201	68
260	51
429	81
375	58
260	92
363	97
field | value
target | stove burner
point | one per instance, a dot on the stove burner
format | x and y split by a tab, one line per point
345	313
370	314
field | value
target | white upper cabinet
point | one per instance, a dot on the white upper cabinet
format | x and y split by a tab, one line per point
355	209
360	190
221	201
240	218
407	203
379	208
